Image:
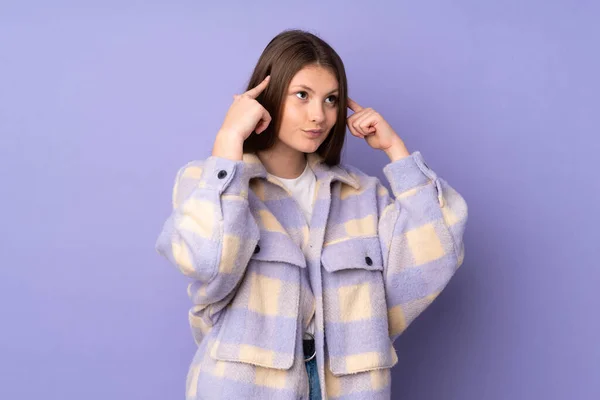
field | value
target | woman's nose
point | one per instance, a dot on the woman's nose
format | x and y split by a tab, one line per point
317	114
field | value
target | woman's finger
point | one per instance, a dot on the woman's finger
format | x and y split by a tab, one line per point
353	130
351	119
255	91
354	106
362	123
263	123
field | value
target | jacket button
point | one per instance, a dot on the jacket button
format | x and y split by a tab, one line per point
256	249
368	261
222	174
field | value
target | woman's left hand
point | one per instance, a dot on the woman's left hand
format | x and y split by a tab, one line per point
368	124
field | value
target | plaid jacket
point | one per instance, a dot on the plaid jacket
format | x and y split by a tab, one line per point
366	267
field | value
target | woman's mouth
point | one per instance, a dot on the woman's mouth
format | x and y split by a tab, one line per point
314	133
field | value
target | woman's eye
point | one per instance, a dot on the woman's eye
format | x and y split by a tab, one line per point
302	95
332	100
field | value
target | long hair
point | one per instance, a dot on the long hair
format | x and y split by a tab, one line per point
285	55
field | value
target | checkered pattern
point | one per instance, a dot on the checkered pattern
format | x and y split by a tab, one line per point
366	266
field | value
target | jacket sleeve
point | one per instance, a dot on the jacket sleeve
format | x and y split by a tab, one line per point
210	235
421	232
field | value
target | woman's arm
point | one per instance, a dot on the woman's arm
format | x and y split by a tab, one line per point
421	232
211	233
421	229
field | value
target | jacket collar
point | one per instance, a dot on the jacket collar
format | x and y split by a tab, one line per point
254	168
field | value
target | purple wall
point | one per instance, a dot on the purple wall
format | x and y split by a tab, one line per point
100	105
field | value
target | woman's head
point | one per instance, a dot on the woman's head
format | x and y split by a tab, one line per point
307	91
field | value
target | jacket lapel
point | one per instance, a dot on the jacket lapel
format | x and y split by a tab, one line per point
280	242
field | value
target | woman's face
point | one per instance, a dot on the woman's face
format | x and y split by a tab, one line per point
310	109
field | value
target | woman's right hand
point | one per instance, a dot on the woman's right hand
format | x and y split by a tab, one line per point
245	115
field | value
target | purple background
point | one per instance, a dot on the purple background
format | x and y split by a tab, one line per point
101	104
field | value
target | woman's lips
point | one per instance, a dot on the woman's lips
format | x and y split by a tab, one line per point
314	133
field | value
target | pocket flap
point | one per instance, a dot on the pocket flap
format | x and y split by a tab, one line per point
257	356
278	247
355	253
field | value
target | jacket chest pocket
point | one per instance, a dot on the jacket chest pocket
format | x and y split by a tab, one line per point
260	323
356	321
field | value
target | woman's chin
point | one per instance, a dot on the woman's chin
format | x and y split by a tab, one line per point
308	146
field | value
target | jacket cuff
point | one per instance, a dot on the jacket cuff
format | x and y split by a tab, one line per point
408	173
225	176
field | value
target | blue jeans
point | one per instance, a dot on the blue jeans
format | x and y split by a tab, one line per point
313	379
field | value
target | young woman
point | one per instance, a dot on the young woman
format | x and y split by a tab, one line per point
305	269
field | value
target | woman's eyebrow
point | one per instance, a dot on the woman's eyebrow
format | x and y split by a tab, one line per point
312	91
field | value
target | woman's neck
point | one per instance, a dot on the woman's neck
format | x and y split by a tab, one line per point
283	161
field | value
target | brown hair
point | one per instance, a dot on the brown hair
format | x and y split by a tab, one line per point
285	55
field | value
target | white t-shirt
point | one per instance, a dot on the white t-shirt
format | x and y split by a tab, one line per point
303	189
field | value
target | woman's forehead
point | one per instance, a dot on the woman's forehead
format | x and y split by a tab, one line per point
316	78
